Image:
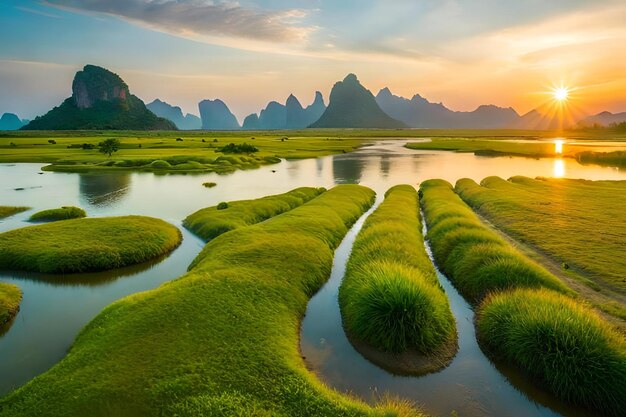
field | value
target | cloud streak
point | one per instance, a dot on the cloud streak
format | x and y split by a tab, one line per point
201	18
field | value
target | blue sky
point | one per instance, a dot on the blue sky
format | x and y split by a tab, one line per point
460	52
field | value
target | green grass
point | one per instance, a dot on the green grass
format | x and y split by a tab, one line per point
63	213
6	211
390	297
577	223
211	222
221	340
616	158
10	298
535	146
86	245
161	152
561	344
475	258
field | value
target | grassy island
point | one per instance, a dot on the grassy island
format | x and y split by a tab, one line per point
63	213
87	245
393	308
211	222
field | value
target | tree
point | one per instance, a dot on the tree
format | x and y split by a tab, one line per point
109	146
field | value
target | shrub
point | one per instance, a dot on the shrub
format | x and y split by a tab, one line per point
63	213
239	148
209	184
565	346
160	164
109	146
222	206
52	141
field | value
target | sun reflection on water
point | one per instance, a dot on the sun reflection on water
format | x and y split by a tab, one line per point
559	168
558	146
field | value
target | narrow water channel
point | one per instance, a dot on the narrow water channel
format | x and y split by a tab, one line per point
471	386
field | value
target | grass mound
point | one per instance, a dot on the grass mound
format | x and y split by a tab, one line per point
221	340
87	245
63	213
6	211
211	222
390	298
10	298
566	347
474	257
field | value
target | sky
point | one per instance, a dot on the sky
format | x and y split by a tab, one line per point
463	53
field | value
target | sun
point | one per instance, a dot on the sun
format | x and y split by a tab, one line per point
561	94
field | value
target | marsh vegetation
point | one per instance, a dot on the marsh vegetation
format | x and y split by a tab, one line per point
10	297
390	297
63	213
82	245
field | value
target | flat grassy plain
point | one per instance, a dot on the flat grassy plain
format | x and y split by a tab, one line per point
62	213
390	297
10	298
475	258
208	223
221	340
578	224
87	245
198	151
6	211
538	149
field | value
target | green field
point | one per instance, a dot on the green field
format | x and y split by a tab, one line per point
62	213
198	151
490	146
211	222
87	245
6	211
221	340
10	298
579	225
390	297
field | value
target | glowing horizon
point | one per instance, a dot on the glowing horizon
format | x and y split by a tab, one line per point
461	54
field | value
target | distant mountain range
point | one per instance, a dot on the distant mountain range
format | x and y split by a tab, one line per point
100	100
291	115
175	115
10	121
603	119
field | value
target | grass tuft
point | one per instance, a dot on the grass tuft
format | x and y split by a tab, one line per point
63	213
567	347
6	211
